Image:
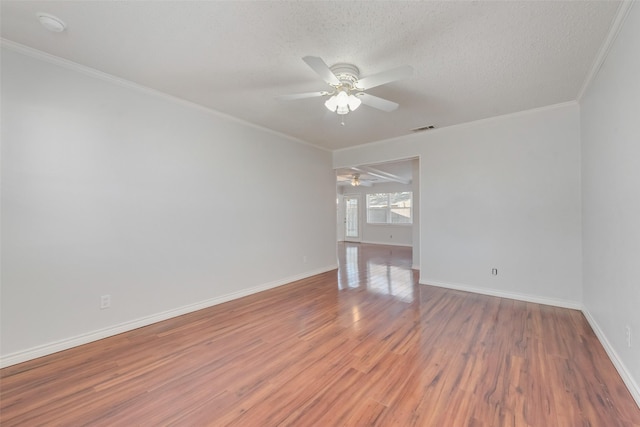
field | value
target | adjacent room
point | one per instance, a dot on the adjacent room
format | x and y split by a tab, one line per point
327	213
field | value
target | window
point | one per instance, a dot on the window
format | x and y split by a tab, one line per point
389	208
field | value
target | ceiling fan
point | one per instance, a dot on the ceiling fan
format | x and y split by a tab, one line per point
355	180
348	89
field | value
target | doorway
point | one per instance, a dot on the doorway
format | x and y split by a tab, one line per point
352	218
354	221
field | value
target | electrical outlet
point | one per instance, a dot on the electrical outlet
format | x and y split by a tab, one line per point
105	301
304	259
628	335
494	271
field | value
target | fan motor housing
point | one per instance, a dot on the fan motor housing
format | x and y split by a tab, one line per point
348	74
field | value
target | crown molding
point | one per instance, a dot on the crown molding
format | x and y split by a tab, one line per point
92	72
464	125
614	30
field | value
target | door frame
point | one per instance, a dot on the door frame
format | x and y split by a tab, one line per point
357	197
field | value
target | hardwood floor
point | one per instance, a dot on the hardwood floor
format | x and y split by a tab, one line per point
365	345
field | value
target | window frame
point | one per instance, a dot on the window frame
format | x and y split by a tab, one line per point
388	209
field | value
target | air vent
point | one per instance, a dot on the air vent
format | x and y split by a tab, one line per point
423	128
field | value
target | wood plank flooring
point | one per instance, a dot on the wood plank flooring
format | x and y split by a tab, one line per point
361	346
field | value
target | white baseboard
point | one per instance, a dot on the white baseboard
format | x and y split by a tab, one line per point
67	343
632	386
503	294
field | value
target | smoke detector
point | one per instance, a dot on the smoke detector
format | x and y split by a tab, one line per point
51	23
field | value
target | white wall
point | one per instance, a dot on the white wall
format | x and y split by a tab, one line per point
415	231
108	189
340	215
400	235
610	111
503	193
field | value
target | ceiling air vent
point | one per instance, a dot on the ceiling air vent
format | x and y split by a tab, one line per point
423	128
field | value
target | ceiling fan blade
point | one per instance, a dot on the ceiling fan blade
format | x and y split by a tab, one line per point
385	77
322	69
295	96
379	103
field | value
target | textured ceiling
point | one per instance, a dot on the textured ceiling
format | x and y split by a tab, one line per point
472	60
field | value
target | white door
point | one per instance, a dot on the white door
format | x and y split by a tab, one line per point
352	218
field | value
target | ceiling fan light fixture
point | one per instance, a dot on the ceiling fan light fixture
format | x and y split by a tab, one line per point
354	102
342	109
342	98
331	104
347	88
355	180
342	103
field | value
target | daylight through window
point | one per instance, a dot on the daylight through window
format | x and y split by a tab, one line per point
389	208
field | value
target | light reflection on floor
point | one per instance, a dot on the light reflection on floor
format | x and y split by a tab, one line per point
350	266
381	269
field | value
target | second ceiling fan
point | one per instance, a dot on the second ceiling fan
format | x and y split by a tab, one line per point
348	89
